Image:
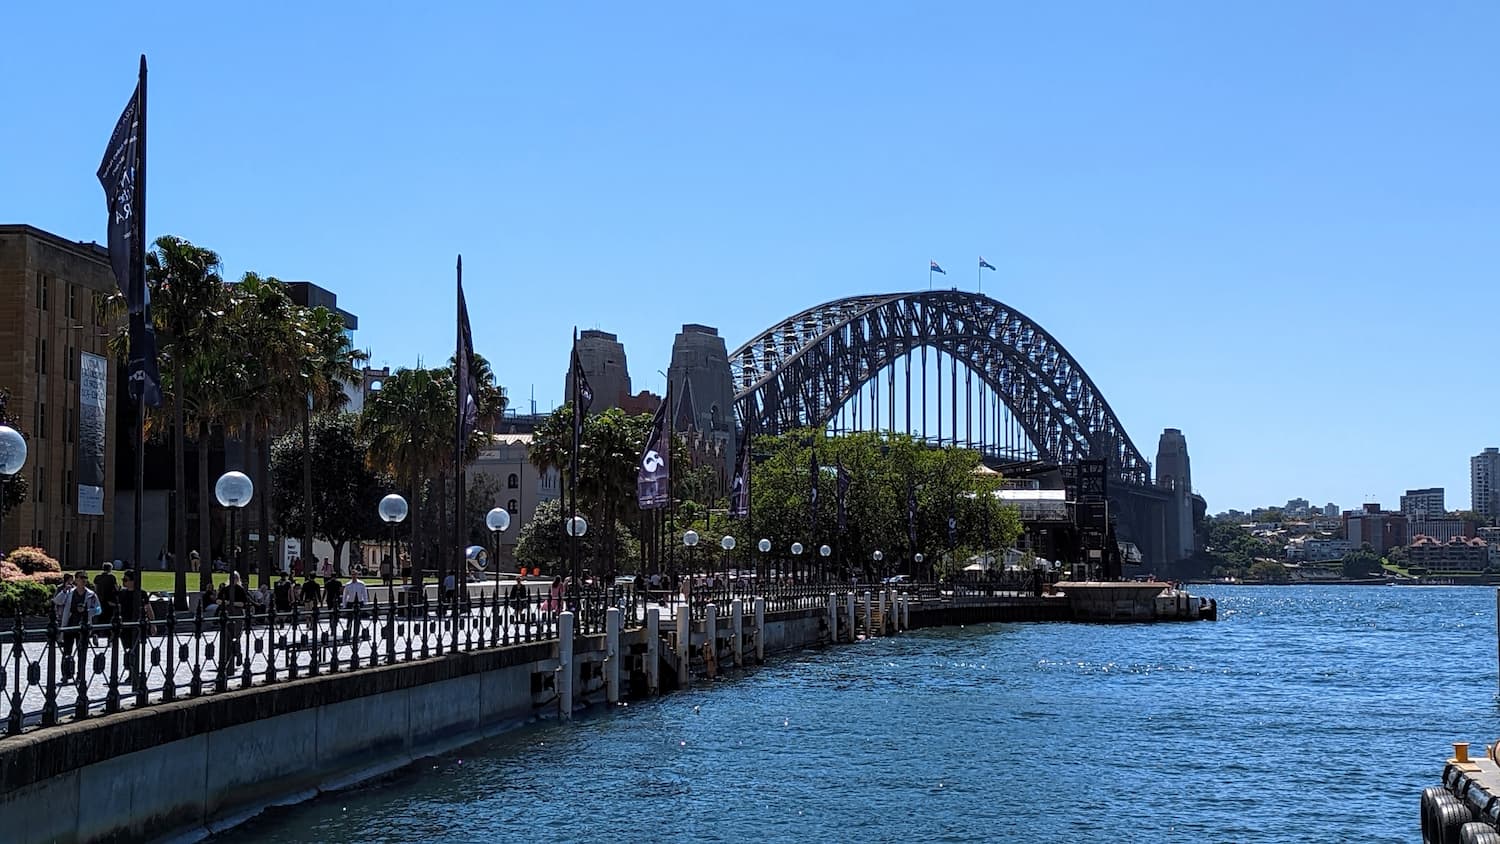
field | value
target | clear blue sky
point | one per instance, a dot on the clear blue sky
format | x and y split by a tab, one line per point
1274	225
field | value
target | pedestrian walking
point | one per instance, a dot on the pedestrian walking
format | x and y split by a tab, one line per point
356	594
74	607
134	606
108	590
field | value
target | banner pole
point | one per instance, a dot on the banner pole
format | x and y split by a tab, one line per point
140	269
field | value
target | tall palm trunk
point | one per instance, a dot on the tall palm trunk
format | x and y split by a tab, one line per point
179	482
205	510
418	558
263	468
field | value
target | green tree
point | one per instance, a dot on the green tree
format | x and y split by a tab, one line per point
1268	571
187	297
1362	563
542	542
347	494
407	423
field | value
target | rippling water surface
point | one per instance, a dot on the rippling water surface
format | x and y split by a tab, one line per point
1304	714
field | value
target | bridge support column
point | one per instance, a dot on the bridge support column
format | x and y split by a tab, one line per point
653	643
684	647
612	655
760	630
737	624
565	669
868	632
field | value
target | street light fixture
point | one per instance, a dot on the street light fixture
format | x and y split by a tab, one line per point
824	551
727	543
576	527
234	490
12	458
498	521
765	548
918	558
796	555
877	557
392	511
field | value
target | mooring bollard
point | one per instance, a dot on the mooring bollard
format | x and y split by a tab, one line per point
905	611
684	648
849	607
565	666
711	635
653	641
737	624
884	621
867	613
612	654
833	618
760	630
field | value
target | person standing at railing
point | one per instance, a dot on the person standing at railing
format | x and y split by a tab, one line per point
73	608
311	592
133	607
356	594
107	588
334	591
234	605
519	597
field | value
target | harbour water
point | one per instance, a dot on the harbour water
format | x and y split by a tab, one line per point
1312	713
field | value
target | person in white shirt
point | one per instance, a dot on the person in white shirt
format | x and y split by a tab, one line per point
355	592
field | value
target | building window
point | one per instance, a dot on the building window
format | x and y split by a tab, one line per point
40	539
513	506
41	292
512	482
72	305
41	420
68	425
42	359
41	484
67	485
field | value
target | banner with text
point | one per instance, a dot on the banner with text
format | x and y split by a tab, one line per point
93	392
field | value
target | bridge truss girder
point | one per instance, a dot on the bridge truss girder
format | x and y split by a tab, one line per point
801	371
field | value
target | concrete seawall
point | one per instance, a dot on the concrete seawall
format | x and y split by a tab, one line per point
186	769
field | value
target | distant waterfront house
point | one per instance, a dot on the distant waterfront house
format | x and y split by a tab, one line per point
1457	554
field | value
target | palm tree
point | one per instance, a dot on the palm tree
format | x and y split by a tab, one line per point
329	362
264	318
409	423
187	295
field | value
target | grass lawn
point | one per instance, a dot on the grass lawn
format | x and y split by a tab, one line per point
164	581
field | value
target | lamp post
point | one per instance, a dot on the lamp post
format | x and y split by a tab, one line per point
918	560
392	511
498	521
824	551
234	490
727	543
576	527
12	458
765	548
796	557
689	541
877	557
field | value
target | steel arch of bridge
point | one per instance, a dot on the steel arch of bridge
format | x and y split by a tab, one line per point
799	372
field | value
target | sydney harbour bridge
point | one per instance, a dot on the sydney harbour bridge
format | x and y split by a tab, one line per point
957	368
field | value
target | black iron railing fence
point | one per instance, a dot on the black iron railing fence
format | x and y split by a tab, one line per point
51	673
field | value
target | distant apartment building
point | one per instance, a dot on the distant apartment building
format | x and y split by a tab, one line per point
1484	483
1456	554
1423	503
1382	530
518	486
1314	550
1442	529
1331	510
1296	507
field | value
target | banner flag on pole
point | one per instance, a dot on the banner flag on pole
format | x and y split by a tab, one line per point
812	504
121	174
911	514
653	479
934	268
464	358
985	265
843	490
739	489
